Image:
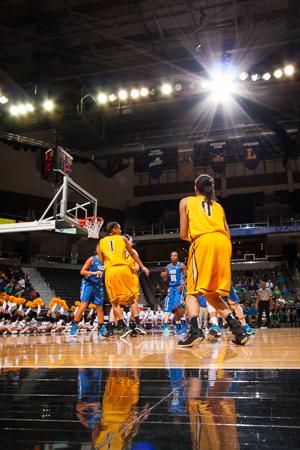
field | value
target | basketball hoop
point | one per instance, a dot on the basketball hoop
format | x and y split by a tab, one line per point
92	225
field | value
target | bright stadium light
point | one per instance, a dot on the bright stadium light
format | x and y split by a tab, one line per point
144	92
134	93
3	99
289	70
166	89
29	107
266	76
178	87
222	83
14	110
278	73
22	109
102	98
48	105
243	76
221	89
122	94
112	97
255	77
205	84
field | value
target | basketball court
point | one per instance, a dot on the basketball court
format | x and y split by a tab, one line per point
150	225
214	396
142	392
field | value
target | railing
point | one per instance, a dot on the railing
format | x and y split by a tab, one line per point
160	228
10	257
52	260
155	228
248	225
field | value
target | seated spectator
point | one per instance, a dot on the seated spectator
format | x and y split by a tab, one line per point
2	285
281	301
286	290
277	292
21	282
9	288
280	279
27	281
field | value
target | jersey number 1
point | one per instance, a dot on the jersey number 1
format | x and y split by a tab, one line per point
111	243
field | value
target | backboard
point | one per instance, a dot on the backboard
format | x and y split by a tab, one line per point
70	203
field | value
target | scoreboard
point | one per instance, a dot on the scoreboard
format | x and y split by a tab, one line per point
56	163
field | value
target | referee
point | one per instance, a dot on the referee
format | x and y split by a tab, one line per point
264	299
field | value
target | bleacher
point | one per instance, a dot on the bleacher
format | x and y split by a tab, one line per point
64	282
247	296
149	285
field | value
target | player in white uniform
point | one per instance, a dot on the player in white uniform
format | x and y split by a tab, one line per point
159	317
148	319
142	314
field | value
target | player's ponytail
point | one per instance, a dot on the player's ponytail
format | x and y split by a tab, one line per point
205	185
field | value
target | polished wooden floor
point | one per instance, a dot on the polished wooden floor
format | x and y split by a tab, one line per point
270	348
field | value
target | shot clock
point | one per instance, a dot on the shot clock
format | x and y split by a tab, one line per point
56	163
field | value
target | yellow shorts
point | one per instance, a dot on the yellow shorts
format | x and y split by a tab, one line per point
120	284
136	282
120	398
209	265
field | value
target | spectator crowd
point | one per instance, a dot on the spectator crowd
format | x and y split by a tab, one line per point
14	282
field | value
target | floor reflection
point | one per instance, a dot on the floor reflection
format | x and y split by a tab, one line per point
88	350
147	409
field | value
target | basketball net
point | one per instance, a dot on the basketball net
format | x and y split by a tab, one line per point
93	226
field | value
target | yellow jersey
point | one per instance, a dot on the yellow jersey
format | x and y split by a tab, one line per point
113	250
131	262
204	217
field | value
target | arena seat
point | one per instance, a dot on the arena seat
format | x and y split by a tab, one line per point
65	283
149	286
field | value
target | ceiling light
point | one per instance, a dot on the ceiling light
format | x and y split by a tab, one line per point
22	109
166	89
134	93
112	97
243	76
144	92
102	98
29	107
278	73
255	77
221	88
48	105
3	99
266	76
289	70
14	110
122	94
205	84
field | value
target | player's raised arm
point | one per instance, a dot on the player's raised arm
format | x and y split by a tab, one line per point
135	256
184	223
85	268
226	226
183	269
137	267
99	254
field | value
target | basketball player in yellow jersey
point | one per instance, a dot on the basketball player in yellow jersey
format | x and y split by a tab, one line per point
134	308
119	278
203	223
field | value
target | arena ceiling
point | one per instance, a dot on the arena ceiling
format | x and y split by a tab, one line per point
69	49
